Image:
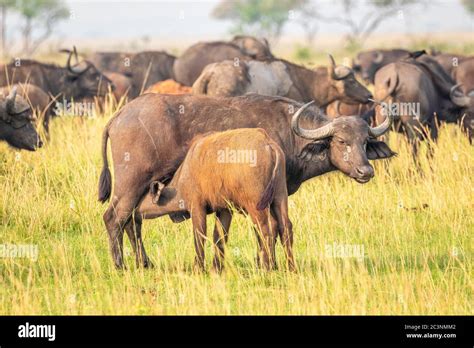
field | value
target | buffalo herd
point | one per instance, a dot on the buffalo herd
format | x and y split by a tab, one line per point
248	131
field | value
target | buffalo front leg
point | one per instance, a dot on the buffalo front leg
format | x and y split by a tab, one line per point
198	217
221	234
134	232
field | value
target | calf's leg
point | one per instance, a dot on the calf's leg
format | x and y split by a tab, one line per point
198	217
285	231
221	234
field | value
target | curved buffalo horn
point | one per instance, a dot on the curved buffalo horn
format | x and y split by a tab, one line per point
313	134
337	72
378	57
459	100
75	54
10	105
73	69
375	132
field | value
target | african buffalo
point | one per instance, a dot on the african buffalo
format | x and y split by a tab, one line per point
71	82
418	89
118	62
17	126
449	61
190	64
122	84
244	167
338	108
282	78
368	62
463	74
38	99
150	134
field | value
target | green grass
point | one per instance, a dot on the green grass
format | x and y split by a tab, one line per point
416	228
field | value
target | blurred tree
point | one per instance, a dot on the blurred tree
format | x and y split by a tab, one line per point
258	17
38	14
5	5
469	6
362	26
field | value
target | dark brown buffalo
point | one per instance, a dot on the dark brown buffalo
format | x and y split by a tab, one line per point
17	126
71	82
151	133
122	84
118	62
209	179
419	89
339	108
282	78
368	62
39	101
463	74
149	67
143	68
191	63
449	61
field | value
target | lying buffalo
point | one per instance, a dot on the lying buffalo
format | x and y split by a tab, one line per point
17	126
368	62
282	78
252	180
71	82
191	63
151	133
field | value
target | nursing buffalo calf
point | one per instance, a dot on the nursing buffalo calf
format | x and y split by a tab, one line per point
150	134
243	167
17	123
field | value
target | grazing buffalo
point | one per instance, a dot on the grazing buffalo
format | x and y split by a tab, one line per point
17	126
150	134
462	112
191	63
71	82
282	78
368	62
243	167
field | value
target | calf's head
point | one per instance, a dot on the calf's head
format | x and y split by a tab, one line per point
348	141
344	86
367	63
17	126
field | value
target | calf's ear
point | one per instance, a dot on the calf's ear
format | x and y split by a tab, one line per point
378	150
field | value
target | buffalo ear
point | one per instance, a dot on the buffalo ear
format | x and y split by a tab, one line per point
311	150
167	194
378	150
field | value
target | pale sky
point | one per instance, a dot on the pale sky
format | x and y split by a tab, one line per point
190	19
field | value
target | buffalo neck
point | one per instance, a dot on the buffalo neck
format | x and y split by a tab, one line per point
311	84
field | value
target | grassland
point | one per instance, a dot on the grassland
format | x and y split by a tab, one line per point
413	228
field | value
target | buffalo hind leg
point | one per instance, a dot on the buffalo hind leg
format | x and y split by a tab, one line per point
221	235
285	231
198	217
134	232
114	224
266	237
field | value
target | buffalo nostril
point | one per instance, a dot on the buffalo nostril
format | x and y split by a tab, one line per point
365	171
40	143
